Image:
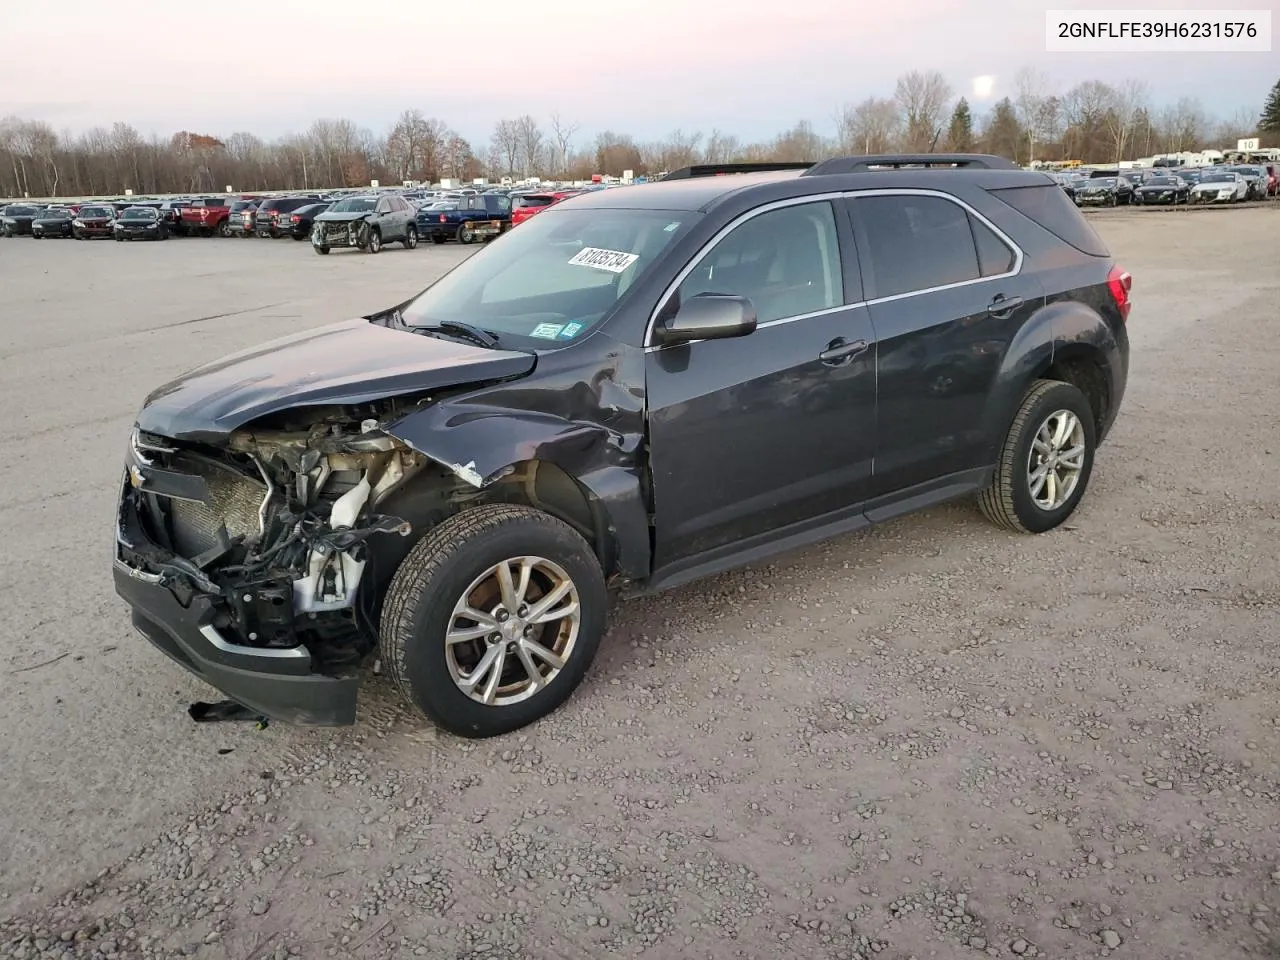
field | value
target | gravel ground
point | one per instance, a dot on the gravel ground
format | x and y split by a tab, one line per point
934	740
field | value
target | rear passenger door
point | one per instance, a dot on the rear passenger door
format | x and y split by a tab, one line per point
947	295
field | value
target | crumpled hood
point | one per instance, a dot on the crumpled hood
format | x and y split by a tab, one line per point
342	217
349	362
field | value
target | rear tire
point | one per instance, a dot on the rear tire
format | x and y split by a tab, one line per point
1012	500
411	237
451	567
465	235
224	229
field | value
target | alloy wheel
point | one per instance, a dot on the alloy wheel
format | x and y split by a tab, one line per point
1056	460
513	630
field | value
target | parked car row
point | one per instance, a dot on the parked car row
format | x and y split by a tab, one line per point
1163	185
364	221
88	223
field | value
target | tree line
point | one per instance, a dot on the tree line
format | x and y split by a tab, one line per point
1092	122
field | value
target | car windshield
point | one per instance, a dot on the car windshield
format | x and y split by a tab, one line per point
1218	178
95	212
353	205
139	213
1162	182
553	279
55	212
1104	181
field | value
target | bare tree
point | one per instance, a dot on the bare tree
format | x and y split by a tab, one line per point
1084	111
406	144
922	98
1127	101
506	140
562	132
721	148
680	149
1240	125
529	138
1182	126
1032	88
869	127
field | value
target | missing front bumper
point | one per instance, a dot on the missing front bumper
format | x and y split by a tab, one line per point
278	683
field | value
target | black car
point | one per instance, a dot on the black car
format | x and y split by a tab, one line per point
302	220
271	217
16	218
53	222
365	222
1158	190
94	220
1106	191
634	389
144	223
171	213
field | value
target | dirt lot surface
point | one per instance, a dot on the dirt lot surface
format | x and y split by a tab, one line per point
935	740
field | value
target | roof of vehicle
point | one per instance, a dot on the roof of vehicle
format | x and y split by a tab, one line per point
702	192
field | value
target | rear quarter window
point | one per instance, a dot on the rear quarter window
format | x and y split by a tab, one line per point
1048	206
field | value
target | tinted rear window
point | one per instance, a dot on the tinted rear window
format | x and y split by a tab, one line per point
1053	210
535	201
20	211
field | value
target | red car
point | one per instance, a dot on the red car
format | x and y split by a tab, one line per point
522	208
1273	178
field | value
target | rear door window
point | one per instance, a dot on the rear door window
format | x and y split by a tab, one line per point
917	243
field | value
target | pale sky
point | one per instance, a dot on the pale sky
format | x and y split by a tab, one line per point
644	67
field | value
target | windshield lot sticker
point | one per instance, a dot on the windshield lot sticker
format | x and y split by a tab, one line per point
615	261
570	330
547	331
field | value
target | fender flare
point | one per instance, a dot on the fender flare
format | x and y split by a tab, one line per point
481	444
1059	330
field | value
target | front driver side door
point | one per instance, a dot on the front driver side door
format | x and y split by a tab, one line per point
771	432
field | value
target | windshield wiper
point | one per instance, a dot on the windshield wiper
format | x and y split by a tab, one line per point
460	329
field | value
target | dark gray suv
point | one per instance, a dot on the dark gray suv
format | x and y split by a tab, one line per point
637	388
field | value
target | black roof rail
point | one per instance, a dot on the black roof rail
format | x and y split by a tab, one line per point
722	169
971	161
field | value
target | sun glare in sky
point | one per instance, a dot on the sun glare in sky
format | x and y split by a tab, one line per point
983	87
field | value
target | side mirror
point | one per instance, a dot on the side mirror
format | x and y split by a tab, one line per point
709	316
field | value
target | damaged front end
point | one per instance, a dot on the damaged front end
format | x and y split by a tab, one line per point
244	561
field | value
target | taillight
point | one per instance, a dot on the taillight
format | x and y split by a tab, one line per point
1120	282
295	218
443	218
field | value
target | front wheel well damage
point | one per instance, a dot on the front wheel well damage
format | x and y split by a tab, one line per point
436	495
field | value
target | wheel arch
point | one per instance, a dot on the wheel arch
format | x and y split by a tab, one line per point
583	472
1068	341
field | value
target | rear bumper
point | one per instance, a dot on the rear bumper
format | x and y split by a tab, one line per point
446	231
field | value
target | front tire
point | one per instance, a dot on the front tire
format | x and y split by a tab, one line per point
1045	462
374	243
481	651
320	250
